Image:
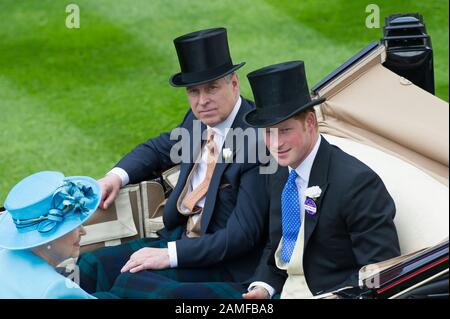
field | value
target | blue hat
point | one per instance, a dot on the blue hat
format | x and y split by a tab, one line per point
45	206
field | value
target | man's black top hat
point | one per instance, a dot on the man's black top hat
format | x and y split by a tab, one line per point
280	92
204	56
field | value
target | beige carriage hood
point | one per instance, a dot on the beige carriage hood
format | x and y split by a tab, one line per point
370	104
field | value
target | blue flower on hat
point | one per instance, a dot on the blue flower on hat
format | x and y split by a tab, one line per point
45	206
70	198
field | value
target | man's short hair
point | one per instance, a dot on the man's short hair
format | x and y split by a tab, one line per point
302	116
228	77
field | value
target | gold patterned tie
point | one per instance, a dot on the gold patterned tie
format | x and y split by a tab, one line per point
191	199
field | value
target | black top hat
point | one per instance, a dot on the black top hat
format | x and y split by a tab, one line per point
204	56
280	91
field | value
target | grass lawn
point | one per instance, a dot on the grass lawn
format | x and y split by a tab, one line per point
77	100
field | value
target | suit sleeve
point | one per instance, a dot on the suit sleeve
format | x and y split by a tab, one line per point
369	213
267	270
243	231
148	159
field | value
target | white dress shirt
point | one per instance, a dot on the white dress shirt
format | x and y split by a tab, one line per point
303	171
220	132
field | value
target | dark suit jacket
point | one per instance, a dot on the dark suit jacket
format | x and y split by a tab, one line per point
234	221
353	225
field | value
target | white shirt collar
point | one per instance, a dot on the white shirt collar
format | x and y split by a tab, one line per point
304	169
223	127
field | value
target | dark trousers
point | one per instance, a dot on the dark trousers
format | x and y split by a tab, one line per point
100	272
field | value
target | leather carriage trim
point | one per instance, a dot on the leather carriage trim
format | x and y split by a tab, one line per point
114	242
143	199
139	204
414	274
420	283
345	66
171	176
350	74
152	226
156	195
150	216
123	227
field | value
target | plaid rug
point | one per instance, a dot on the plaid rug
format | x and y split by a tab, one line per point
153	285
100	268
100	272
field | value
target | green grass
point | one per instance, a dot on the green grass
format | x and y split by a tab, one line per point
78	100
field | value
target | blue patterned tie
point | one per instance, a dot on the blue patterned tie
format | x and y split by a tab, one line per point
290	216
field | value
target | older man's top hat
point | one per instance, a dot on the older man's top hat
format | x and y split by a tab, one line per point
204	56
280	92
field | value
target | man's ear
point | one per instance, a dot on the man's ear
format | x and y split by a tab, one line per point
311	121
235	81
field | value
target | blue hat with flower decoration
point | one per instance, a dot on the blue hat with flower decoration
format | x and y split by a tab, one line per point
45	206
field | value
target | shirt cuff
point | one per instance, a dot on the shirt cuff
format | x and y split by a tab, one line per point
268	287
122	174
173	258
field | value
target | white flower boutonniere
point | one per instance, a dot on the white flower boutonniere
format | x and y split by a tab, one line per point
227	154
311	194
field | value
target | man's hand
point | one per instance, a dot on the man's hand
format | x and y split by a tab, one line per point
147	258
110	189
257	293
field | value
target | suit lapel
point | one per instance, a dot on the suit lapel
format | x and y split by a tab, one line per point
278	181
211	195
318	177
195	148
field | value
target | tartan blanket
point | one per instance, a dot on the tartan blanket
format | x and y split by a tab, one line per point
100	272
153	285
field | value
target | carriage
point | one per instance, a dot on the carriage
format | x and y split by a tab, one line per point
393	124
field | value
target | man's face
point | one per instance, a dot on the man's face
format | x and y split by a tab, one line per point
212	102
291	141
